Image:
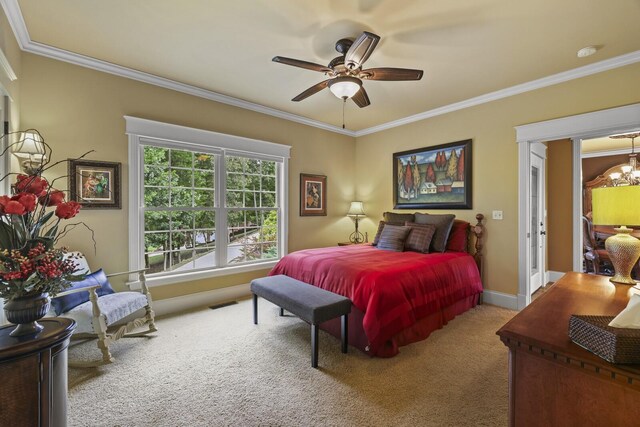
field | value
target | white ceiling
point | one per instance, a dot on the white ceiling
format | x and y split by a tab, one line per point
467	48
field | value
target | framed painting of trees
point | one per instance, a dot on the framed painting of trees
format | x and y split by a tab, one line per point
437	177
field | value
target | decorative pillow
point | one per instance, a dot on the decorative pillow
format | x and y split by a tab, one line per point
397	218
378	233
459	236
443	225
67	302
393	237
419	238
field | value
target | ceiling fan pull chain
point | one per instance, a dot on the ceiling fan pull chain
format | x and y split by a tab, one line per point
344	101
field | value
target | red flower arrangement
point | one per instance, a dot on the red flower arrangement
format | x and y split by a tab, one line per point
29	264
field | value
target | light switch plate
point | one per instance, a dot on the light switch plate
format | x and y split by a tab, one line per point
497	215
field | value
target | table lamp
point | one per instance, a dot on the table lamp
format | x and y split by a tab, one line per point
619	206
356	210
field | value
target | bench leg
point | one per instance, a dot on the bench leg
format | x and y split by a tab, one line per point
255	309
281	311
314	346
344	331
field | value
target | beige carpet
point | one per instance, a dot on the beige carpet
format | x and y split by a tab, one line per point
215	368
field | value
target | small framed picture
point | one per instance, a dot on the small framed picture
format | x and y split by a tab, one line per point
94	184
313	195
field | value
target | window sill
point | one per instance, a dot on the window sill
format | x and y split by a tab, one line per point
198	275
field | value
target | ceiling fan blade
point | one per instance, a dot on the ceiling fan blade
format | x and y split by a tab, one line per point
360	50
312	90
361	98
302	64
391	74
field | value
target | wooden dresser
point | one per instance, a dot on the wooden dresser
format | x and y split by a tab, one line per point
554	382
33	375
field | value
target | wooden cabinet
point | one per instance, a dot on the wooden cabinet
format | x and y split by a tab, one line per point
33	372
555	382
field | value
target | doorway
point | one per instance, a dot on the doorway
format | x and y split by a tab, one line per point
582	126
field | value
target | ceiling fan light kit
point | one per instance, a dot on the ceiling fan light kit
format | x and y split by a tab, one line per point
345	71
345	87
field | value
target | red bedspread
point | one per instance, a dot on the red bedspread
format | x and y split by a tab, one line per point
393	289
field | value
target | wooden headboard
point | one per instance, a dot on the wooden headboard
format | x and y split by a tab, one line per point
599	181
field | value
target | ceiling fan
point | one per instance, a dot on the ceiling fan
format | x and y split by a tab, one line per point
345	71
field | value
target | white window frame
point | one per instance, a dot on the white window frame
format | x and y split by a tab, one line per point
148	132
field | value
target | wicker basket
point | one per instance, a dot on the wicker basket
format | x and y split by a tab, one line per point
615	345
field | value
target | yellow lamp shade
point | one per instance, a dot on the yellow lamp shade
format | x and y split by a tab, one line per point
616	205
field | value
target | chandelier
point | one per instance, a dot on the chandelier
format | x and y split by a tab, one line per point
630	174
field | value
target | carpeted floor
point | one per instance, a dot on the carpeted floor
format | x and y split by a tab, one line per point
215	368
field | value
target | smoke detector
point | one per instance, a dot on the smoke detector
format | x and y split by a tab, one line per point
587	51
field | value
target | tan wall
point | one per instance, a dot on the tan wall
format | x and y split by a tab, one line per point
77	109
495	156
559	206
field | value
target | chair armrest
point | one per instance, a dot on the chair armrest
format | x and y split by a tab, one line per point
76	290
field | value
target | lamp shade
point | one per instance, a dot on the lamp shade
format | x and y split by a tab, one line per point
30	143
344	87
616	205
356	209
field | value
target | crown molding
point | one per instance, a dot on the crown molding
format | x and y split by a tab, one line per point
576	73
16	21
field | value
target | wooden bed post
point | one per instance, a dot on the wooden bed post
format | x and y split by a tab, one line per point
478	231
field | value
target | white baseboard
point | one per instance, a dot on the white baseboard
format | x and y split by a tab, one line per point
554	276
500	299
200	299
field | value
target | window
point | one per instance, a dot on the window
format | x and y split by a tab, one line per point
203	203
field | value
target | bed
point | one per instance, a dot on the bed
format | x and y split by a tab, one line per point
398	297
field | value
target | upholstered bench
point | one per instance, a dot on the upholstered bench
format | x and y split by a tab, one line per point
310	303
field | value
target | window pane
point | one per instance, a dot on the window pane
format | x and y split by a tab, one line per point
156	242
205	257
205	219
182	240
156	156
181	197
235	254
154	175
205	238
185	177
182	220
204	161
252	182
268	183
204	198
156	262
252	166
268	200
234	164
269	168
203	179
156	197
234	199
156	221
182	158
235	181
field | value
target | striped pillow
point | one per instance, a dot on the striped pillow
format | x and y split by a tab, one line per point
419	237
381	225
393	237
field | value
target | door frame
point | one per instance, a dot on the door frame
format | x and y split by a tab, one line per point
578	127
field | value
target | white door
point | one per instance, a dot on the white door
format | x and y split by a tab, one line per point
538	231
